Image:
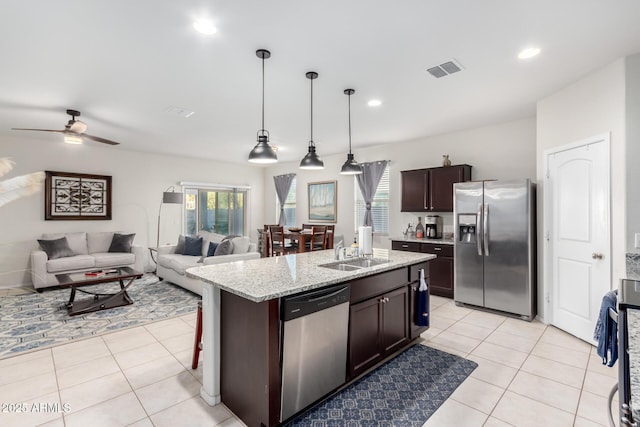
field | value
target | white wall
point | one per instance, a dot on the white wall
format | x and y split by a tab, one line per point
593	105
502	151
632	106
138	181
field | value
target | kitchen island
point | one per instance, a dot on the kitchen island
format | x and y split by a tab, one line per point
242	330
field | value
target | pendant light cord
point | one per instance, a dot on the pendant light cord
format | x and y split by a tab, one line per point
311	141
262	94
349	123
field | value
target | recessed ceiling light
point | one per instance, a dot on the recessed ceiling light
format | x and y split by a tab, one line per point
374	103
529	52
205	26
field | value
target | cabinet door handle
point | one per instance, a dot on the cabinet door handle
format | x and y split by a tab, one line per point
437	249
386	300
414	288
405	246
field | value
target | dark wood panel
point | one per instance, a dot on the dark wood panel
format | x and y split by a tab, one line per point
414	190
441	277
414	271
440	250
400	245
364	336
250	370
395	324
441	186
378	284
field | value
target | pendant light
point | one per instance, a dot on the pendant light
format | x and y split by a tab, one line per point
263	152
311	160
350	167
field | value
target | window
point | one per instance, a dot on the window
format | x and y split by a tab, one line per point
379	205
219	210
289	206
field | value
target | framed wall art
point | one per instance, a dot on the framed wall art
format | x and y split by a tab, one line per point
323	201
76	196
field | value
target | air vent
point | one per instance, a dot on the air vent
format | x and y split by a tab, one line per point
445	69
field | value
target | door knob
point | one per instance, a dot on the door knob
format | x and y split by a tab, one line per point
597	255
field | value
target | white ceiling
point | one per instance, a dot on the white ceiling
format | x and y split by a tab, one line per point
122	63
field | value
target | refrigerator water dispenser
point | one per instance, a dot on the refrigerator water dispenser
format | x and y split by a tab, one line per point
467	228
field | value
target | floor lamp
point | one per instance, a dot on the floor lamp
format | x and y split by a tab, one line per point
168	196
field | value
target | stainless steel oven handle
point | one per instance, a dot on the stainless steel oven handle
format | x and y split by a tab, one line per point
478	239
485	229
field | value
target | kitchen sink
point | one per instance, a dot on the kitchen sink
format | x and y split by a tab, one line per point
354	264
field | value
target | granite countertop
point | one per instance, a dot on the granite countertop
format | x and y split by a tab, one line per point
423	240
273	277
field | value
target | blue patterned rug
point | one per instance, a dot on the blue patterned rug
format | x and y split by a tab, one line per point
38	320
405	391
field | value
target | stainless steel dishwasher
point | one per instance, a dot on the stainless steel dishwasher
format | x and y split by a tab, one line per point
314	346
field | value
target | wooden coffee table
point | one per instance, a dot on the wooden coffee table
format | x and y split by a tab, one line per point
98	301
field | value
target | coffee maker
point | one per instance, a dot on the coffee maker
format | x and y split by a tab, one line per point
433	227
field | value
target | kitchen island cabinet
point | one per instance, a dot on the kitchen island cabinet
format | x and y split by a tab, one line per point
431	190
242	327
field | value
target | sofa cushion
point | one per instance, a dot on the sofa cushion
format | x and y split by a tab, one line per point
75	262
180	244
224	248
99	241
56	248
192	246
121	242
208	237
77	241
178	263
114	259
241	245
212	248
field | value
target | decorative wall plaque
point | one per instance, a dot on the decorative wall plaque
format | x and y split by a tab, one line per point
72	196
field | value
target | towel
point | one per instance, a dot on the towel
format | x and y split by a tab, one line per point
422	306
606	330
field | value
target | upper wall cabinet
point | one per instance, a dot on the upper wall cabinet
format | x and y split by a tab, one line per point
431	190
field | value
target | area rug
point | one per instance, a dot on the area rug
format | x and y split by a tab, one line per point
405	391
39	320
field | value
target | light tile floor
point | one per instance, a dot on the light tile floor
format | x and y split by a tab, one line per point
529	374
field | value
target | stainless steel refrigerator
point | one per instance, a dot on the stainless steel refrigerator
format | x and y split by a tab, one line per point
495	250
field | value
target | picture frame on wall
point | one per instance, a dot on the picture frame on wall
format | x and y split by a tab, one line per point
76	196
323	201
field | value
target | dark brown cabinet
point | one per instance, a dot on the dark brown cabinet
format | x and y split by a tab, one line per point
378	327
440	269
431	190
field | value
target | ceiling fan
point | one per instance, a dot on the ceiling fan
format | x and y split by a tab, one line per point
74	131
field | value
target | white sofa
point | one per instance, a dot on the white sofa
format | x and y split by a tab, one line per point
172	266
90	252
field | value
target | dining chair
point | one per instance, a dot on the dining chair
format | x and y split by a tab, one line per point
318	238
278	245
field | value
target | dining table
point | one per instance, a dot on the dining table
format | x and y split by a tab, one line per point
300	236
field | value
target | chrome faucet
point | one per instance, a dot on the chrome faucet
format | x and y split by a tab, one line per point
336	249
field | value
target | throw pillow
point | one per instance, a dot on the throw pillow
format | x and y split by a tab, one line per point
212	248
192	246
224	248
121	242
180	245
241	245
57	248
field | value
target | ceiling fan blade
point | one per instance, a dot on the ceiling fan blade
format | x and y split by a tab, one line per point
98	139
41	130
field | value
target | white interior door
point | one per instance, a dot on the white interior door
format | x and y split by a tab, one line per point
579	236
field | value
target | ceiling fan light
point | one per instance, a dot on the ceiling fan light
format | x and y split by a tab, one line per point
311	161
71	138
263	152
350	167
